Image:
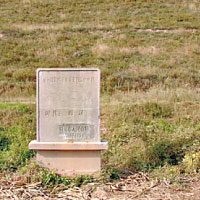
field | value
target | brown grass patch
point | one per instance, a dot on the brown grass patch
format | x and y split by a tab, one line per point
157	94
188	49
30	1
179	30
52	52
140	70
125	50
60	26
62	15
30	27
149	50
101	49
121	36
192	6
26	1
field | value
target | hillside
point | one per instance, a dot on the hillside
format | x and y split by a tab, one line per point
148	52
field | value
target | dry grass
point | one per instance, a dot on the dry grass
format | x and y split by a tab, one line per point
168	31
143	70
60	26
55	51
149	50
101	49
31	27
157	94
139	186
30	1
187	49
62	15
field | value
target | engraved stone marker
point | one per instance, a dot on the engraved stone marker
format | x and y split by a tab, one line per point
68	120
68	105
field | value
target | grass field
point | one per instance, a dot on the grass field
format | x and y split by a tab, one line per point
148	52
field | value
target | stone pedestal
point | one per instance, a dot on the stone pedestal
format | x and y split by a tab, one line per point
69	159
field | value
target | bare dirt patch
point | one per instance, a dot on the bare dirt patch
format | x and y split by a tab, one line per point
181	30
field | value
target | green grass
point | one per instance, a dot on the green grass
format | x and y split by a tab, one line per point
145	137
149	57
17	128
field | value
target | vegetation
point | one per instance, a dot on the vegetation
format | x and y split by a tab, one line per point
148	52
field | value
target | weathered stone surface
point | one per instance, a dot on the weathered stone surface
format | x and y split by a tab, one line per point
68	105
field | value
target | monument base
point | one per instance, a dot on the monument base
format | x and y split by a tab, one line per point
69	159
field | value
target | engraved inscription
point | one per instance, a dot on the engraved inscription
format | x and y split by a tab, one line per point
76	132
64	113
70	79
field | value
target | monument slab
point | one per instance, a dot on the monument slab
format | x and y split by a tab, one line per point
68	105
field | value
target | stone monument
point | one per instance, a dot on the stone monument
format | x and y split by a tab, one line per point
68	120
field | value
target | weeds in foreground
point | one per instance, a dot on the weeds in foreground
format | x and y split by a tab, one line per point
17	128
